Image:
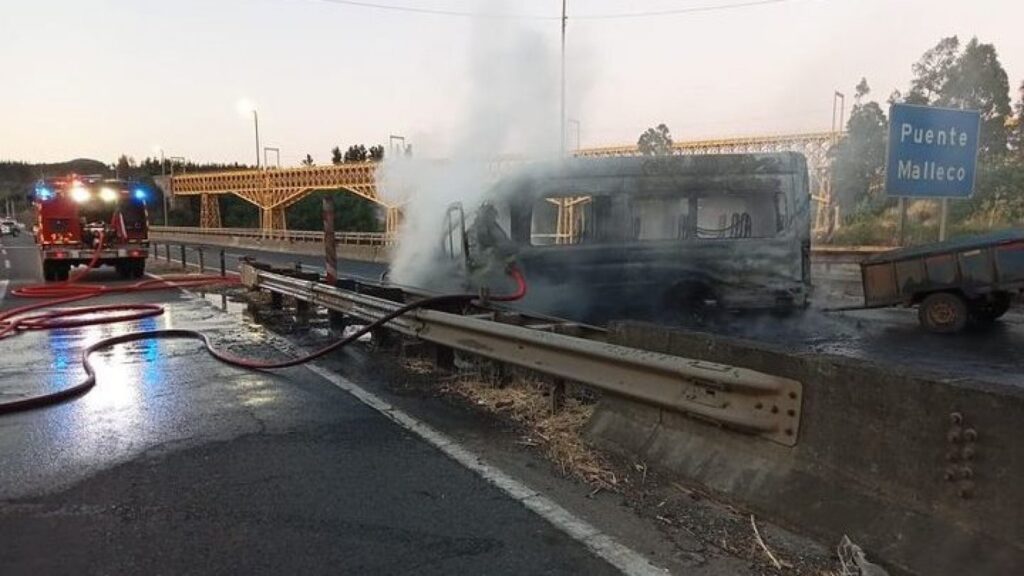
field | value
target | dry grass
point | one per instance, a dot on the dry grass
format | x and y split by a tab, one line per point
525	403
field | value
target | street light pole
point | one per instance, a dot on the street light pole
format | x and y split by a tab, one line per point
397	145
163	178
561	117
573	121
256	123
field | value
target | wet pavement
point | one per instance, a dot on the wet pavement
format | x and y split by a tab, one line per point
177	464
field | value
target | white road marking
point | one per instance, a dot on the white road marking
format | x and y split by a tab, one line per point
627	560
7	264
3	289
615	553
3	251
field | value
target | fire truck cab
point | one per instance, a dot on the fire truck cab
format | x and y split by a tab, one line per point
78	215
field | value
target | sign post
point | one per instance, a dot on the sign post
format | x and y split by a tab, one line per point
933	153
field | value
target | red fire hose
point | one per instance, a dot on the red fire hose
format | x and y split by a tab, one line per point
16	319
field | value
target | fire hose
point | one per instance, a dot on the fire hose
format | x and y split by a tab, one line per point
20	319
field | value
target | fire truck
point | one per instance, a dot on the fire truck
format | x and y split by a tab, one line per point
75	214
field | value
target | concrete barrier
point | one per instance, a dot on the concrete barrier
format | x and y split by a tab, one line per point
927	474
366	253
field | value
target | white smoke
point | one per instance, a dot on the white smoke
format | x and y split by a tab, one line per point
512	110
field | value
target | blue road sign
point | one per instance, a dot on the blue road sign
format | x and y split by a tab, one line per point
933	152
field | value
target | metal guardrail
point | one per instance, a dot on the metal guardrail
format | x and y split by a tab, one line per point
350	238
732	397
822	251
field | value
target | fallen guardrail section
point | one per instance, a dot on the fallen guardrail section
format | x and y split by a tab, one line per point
925	472
738	399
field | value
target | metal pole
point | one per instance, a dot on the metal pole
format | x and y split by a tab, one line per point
223	264
576	123
903	221
561	118
330	246
256	123
184	265
163	177
943	219
202	263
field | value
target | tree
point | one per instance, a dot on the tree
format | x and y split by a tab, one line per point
336	157
931	71
1016	126
308	160
377	153
655	141
125	167
356	153
351	214
859	157
971	78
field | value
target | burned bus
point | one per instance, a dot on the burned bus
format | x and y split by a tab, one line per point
606	238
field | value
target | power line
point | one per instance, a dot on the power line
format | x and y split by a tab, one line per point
438	12
510	16
676	11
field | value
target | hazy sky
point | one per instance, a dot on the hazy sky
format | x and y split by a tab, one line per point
95	78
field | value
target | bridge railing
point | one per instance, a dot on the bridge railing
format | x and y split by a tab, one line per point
348	238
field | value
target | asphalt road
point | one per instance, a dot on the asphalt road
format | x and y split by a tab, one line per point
176	464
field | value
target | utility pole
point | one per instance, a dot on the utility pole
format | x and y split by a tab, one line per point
561	118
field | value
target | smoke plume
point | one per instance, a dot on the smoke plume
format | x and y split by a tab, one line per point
511	112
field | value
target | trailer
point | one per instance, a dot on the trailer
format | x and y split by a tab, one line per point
973	279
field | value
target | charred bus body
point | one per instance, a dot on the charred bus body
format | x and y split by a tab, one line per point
605	238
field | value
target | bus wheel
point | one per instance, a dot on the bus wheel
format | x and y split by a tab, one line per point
943	313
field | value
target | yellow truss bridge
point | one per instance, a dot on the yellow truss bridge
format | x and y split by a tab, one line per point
273	190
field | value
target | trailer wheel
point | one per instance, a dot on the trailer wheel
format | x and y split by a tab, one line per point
991	310
943	313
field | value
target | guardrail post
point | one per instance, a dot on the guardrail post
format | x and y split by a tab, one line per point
336	322
184	265
330	247
557	397
302	313
444	357
167	252
202	263
223	264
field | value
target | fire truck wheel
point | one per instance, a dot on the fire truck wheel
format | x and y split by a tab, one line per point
49	272
139	268
125	270
62	271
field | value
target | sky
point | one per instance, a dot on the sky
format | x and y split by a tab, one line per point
98	78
